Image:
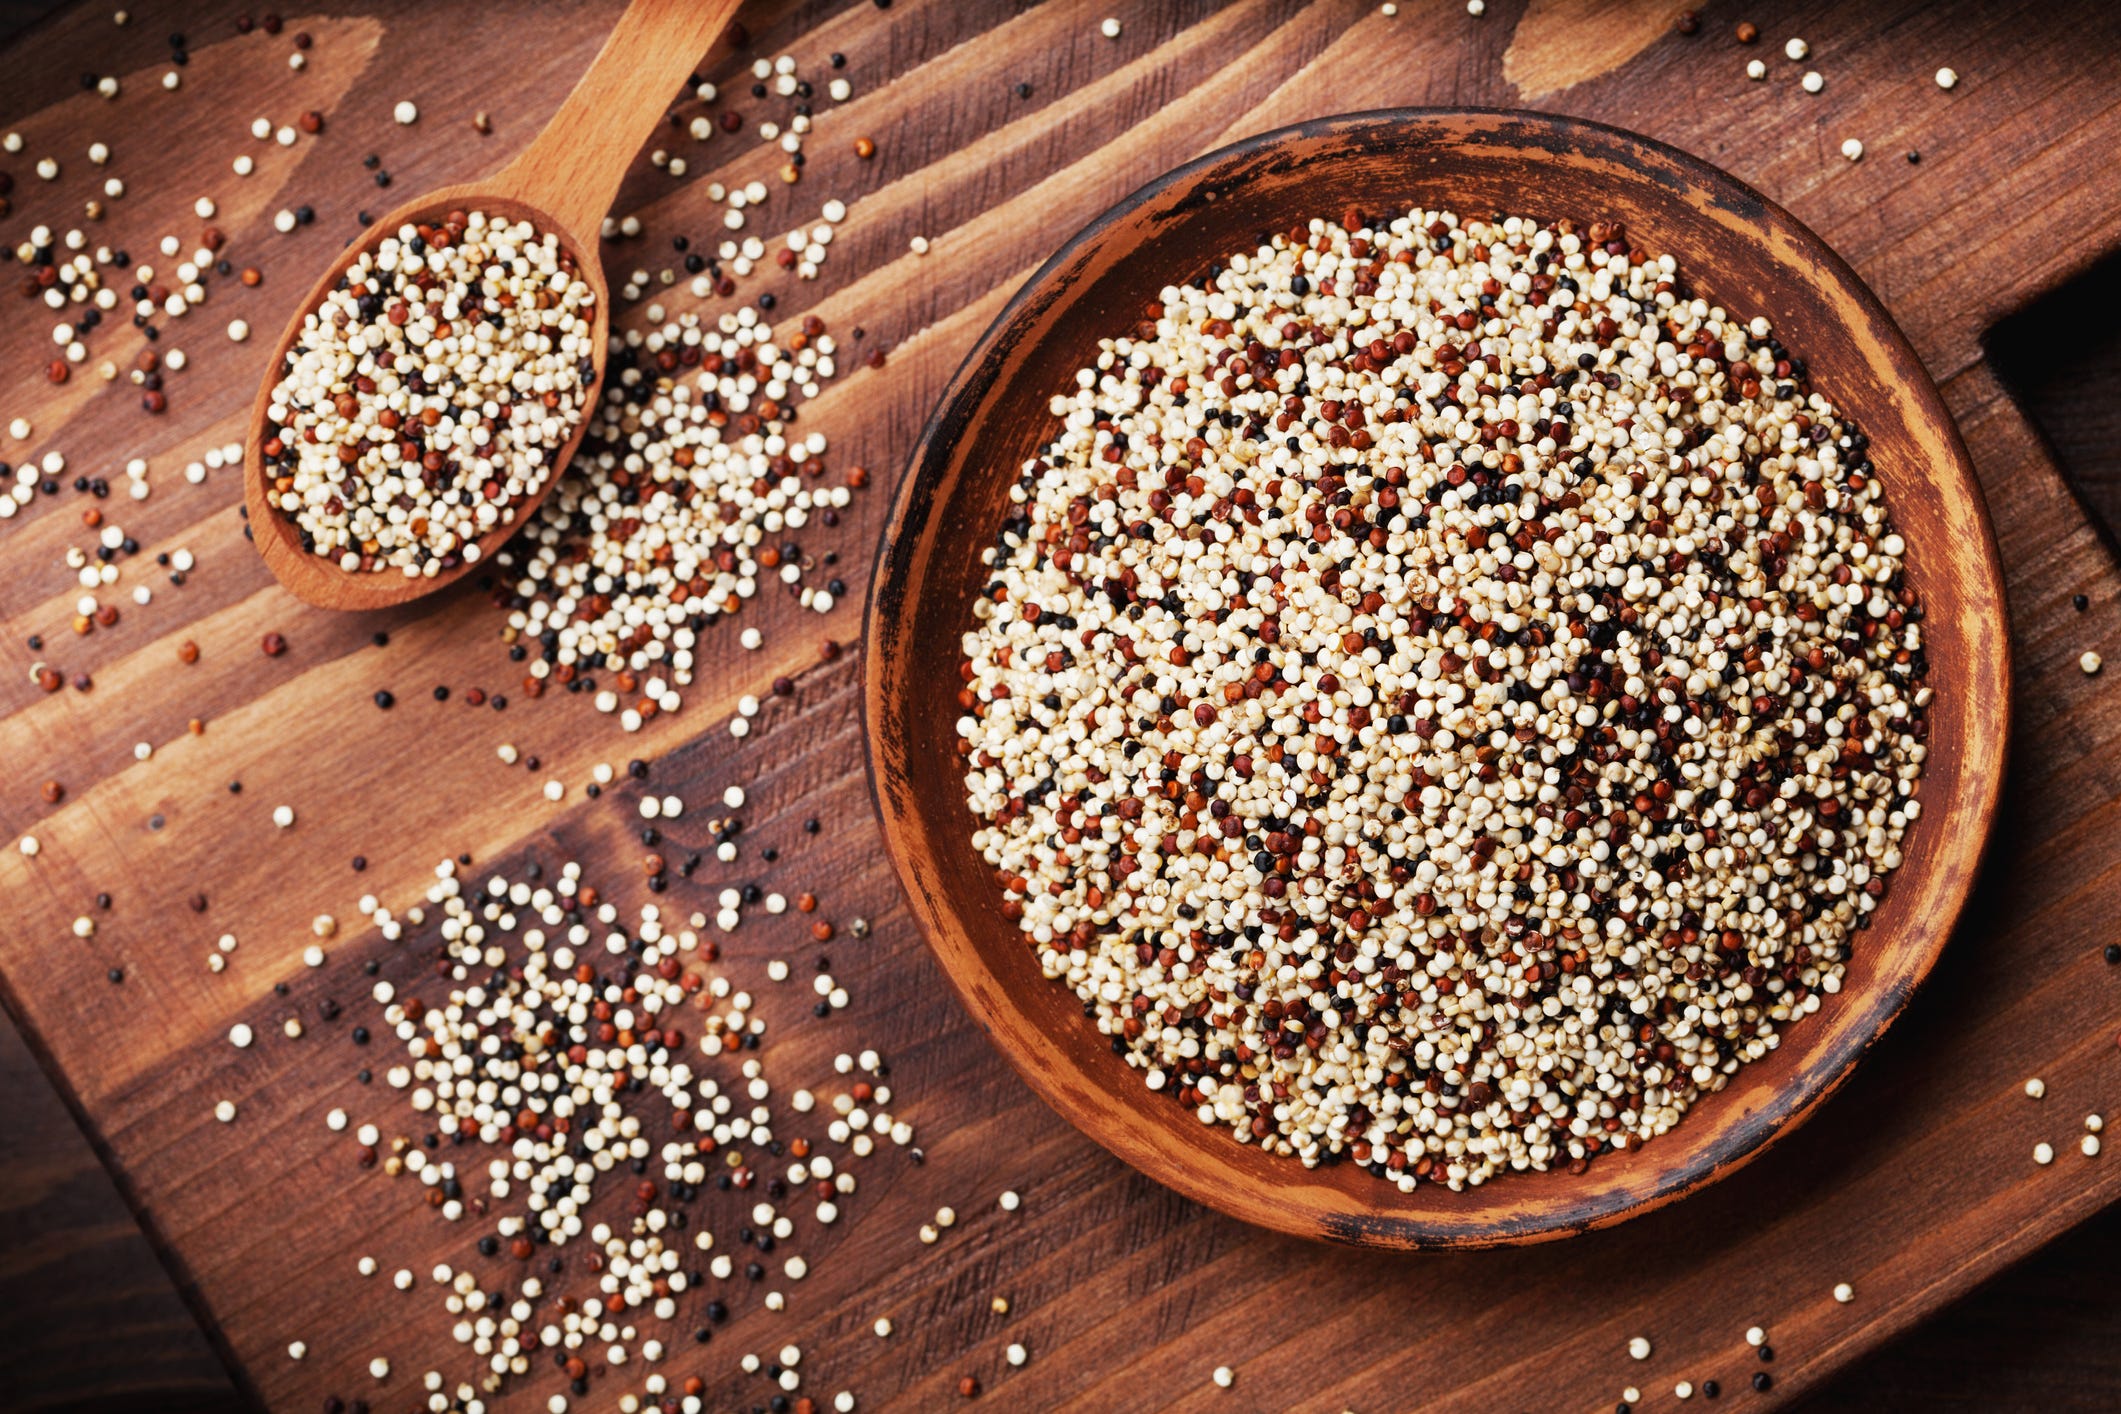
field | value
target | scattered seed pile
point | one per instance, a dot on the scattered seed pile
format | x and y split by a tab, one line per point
1445	697
582	1052
430	393
685	499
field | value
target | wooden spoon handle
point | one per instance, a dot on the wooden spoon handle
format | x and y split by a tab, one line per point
573	168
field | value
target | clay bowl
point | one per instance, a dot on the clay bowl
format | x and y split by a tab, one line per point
1736	248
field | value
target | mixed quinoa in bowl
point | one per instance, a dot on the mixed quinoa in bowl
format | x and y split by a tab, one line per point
1443	697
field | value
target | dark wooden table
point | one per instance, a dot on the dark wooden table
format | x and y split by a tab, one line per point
163	1260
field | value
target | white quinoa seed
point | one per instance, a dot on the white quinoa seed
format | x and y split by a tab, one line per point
1224	1377
1796	50
2036	1088
2090	663
1812	82
1852	149
1110	29
2043	1153
1947	78
2089	1146
1639	1348
1374	672
406	112
1844	1293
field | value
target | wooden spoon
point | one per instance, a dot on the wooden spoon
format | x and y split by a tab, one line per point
564	183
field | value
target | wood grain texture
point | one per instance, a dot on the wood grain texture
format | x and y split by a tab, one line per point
1914	1183
2039	1338
1736	250
2061	358
93	1321
1558	44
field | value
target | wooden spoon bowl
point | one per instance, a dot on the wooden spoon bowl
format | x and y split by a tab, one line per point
1736	248
563	183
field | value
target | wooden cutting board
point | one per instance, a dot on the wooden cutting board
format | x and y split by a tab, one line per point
1914	1183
